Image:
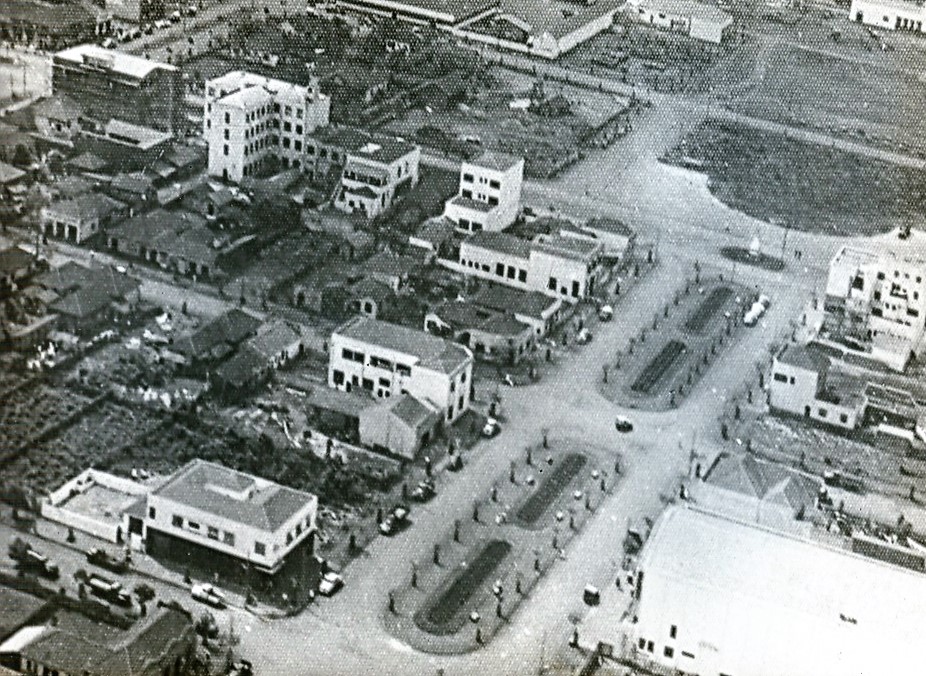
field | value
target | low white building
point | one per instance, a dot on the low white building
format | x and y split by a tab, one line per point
249	119
695	19
616	236
489	196
718	597
876	302
889	14
221	518
562	267
375	174
78	218
388	360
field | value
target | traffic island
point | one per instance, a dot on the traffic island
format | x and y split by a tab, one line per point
665	360
460	592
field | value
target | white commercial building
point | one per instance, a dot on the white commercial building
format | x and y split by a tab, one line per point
695	19
220	515
561	267
876	302
390	360
249	119
490	193
375	174
889	14
717	597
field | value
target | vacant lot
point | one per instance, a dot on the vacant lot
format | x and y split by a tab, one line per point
847	97
804	186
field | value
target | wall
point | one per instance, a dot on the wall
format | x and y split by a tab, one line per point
887	16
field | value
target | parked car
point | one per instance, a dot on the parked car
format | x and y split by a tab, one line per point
100	557
424	491
108	590
491	428
39	564
395	521
606	313
241	668
623	424
591	595
331	582
584	337
206	593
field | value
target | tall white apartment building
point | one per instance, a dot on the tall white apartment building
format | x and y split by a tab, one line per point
876	302
249	119
490	193
389	360
561	267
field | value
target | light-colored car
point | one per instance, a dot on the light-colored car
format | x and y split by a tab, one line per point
206	593
584	337
331	582
606	313
623	424
491	428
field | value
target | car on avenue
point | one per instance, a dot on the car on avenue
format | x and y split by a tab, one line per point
206	593
623	424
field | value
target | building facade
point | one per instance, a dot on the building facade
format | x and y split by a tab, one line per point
876	303
232	516
375	174
489	196
889	14
78	218
561	267
249	119
389	360
109	84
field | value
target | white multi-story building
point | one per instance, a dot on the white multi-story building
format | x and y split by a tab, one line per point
720	597
889	14
876	302
490	193
390	360
561	267
225	518
375	173
249	119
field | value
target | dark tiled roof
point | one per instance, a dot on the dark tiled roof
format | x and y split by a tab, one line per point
506	299
501	242
14	259
412	412
495	160
610	225
231	328
16	608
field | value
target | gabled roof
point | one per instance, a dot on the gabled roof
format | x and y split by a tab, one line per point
86	207
57	107
495	161
234	495
611	225
432	352
13	259
413	412
387	263
135	183
435	232
88	162
566	247
231	328
764	481
808	357
118	62
71	276
273	338
9	173
506	299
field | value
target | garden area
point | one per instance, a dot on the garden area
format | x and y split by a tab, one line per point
477	574
663	363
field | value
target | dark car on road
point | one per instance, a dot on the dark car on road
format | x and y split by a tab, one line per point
424	491
101	558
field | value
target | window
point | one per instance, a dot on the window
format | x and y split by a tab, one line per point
176	521
285	142
673	632
822	412
287	126
642	644
192	525
288	110
227	118
260	548
225	134
511	272
368	384
468	194
225	150
228	538
338	377
298	112
212	533
650	647
298	128
384	382
493	201
687	654
780	377
522	275
844	418
668	651
151	513
467	178
495	184
575	289
297	145
403	370
552	284
289	538
500	269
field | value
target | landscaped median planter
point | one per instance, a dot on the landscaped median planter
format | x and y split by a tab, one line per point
465	588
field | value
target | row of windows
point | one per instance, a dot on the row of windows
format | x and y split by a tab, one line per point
553	283
377	362
471	226
475	265
469	178
906	275
491	200
211	532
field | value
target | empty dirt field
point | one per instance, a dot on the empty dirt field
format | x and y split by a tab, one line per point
802	185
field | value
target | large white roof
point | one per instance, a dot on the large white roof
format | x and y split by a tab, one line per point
771	603
118	62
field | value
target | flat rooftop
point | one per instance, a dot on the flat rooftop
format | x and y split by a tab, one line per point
445	11
500	242
100	503
121	63
495	160
689	8
234	495
433	352
555	18
567	247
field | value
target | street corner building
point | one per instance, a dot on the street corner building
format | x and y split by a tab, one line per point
225	521
719	597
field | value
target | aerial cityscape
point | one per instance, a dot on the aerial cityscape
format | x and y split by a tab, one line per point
462	337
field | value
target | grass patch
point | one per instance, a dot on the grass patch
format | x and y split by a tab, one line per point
707	309
659	367
550	488
809	187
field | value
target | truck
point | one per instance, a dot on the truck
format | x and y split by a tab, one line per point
29	560
108	590
99	557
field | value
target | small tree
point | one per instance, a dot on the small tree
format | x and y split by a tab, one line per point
144	593
19	548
